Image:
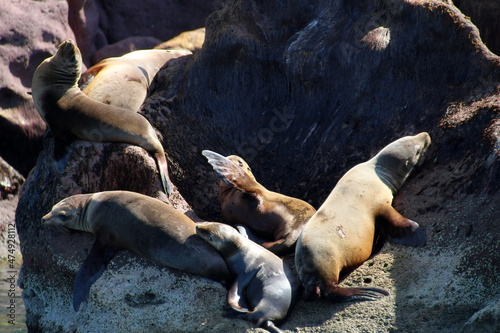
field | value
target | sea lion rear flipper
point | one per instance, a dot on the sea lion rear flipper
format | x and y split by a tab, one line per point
163	169
401	230
91	269
230	173
339	294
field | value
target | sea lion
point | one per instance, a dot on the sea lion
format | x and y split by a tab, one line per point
265	289
354	220
124	81
138	223
70	114
277	218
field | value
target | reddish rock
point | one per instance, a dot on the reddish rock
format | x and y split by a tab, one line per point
123	47
29	33
83	18
21	132
10	180
160	19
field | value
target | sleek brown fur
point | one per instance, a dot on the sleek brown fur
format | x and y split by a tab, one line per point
277	218
124	81
340	236
70	114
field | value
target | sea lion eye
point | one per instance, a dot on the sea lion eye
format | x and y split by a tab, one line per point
240	163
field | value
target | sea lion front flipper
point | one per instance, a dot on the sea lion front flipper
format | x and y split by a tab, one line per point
401	230
230	173
235	295
235	299
270	326
91	269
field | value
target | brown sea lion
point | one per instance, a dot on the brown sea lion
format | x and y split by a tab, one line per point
265	289
70	114
124	81
277	218
138	223
344	231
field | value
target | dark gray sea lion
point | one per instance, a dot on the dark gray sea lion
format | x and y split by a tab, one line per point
264	289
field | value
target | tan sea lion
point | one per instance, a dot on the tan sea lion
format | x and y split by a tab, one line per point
355	218
70	114
124	81
265	289
272	216
138	223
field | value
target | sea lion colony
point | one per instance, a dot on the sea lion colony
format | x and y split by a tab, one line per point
328	244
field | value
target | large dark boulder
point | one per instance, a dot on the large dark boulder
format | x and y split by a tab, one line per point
303	91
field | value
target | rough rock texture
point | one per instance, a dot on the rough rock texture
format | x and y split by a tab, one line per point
10	180
484	14
24	46
302	91
21	132
191	40
124	46
98	23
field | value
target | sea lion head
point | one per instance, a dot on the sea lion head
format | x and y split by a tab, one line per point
67	213
242	164
63	69
221	236
396	161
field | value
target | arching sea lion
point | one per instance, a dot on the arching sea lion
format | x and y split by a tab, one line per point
272	216
138	223
342	234
264	289
124	81
71	114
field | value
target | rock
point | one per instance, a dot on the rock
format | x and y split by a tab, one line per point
123	47
10	180
485	320
160	19
484	14
191	40
24	46
21	132
302	91
83	18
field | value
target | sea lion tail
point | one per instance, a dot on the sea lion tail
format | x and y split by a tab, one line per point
163	168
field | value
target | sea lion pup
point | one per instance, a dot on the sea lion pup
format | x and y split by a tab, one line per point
345	230
272	216
264	289
70	114
124	81
138	223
